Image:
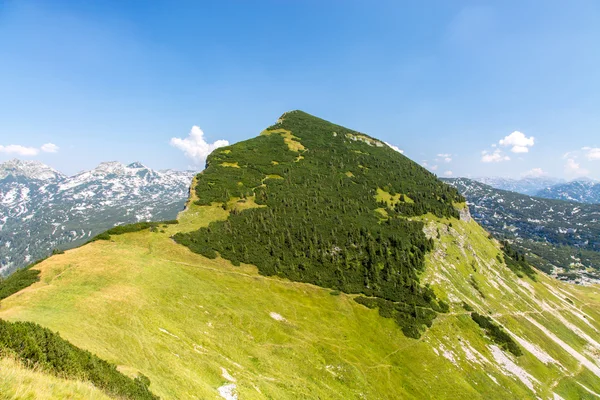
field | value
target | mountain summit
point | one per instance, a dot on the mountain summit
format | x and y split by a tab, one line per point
29	170
315	262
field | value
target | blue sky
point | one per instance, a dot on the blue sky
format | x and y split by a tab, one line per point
443	80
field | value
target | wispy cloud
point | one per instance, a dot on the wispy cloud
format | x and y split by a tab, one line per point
534	173
445	157
591	153
25	151
195	147
574	169
49	148
494	156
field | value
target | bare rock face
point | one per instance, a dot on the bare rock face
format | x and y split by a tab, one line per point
464	214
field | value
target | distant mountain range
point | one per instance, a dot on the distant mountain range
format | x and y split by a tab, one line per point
563	237
529	186
580	190
42	209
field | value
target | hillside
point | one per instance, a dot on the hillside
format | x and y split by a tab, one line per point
42	209
560	237
582	191
352	225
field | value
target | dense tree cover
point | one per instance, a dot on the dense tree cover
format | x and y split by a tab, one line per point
139	226
496	333
411	316
515	260
19	280
39	347
320	223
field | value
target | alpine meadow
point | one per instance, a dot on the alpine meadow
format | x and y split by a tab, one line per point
311	261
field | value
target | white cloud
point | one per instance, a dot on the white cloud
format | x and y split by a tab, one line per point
518	142
574	169
433	167
26	151
448	173
445	157
592	153
49	148
19	150
534	173
395	148
495	156
195	147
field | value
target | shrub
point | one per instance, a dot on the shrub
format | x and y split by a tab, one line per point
497	334
39	347
18	280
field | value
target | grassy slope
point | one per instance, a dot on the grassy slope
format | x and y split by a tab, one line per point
19	382
150	305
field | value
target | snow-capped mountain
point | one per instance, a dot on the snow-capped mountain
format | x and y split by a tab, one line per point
529	185
33	170
561	236
582	191
42	209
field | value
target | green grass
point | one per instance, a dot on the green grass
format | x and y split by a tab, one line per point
125	299
151	306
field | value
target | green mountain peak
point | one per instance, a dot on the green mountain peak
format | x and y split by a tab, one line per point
312	261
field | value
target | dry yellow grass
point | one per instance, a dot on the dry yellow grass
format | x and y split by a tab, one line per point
18	382
288	138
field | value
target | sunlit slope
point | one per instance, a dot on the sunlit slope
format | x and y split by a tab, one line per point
204	328
20	382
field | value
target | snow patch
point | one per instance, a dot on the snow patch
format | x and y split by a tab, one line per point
510	368
228	392
472	354
166	332
588	390
276	317
493	378
578	356
533	349
448	354
227	375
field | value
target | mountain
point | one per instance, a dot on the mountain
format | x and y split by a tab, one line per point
563	237
529	185
312	261
42	209
28	170
582	191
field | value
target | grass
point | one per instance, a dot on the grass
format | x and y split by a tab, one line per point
289	139
392	200
229	164
151	306
19	382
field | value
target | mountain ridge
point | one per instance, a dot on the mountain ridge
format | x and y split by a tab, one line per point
42	210
561	235
207	326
